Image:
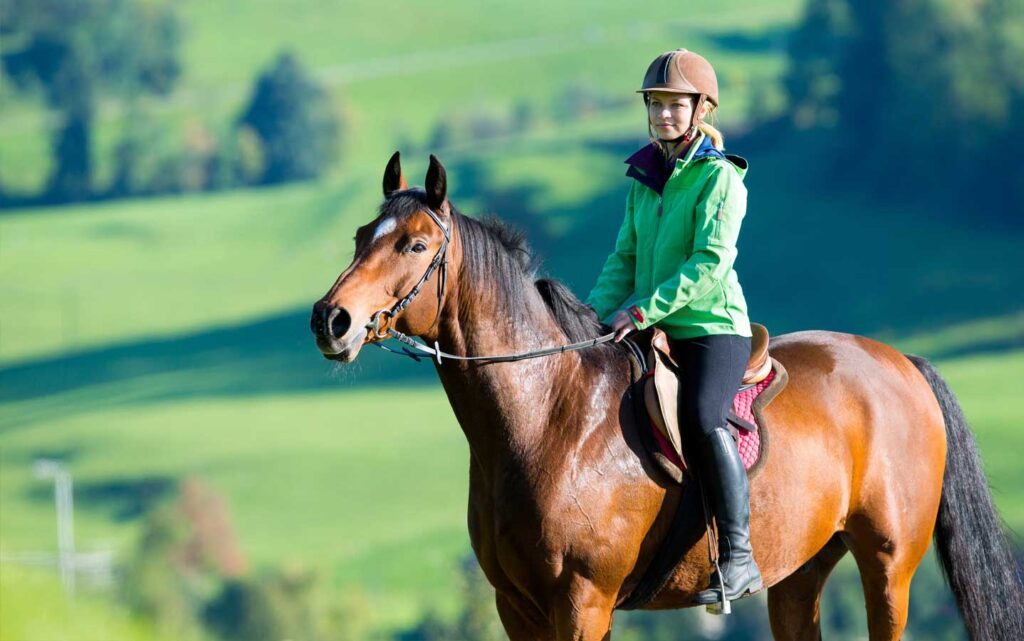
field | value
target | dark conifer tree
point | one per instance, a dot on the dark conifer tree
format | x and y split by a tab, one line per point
294	120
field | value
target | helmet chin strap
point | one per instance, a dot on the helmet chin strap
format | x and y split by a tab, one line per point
695	119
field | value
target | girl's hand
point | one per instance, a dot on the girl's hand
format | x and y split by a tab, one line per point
622	324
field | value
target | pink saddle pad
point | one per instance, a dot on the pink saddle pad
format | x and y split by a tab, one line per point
749	444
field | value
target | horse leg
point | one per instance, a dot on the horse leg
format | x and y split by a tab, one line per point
887	563
586	614
793	603
518	625
579	619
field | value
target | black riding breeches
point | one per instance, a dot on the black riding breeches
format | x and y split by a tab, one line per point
711	370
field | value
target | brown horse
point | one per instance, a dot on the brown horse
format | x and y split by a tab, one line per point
870	452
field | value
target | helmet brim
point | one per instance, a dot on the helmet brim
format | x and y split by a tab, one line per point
668	90
694	92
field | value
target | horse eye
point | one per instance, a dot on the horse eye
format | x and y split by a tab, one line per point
419	247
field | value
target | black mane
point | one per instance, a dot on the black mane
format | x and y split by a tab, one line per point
496	253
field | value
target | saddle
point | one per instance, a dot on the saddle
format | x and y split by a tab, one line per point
660	394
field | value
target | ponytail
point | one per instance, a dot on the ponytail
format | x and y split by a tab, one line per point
717	139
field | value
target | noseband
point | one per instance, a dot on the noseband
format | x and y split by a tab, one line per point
377	327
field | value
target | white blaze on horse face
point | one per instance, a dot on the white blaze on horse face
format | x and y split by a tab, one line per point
385	227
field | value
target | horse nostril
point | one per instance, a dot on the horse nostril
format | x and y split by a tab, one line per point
338	322
318	319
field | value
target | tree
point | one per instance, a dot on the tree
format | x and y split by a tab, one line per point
916	81
290	603
67	50
294	121
186	549
812	80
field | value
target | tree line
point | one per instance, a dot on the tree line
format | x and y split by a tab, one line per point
915	97
67	53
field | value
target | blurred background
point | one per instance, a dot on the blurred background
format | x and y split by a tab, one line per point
180	180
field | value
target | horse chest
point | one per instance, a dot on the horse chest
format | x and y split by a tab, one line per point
516	550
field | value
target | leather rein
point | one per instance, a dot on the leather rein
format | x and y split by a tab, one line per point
378	328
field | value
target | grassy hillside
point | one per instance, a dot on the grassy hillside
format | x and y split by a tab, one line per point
89	275
985	386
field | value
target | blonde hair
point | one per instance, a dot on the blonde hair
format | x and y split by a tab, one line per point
712	132
671	151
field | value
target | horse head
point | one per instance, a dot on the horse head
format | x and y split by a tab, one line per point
400	254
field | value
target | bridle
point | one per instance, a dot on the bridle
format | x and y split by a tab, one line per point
378	328
374	327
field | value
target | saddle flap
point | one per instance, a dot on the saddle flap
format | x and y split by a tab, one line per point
662	393
659	343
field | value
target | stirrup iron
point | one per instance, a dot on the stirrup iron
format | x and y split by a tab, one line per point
723	606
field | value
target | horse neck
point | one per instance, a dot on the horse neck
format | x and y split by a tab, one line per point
505	408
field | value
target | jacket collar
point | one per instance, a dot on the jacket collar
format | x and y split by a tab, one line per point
649	168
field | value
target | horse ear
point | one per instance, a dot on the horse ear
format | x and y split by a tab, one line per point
393	178
437	183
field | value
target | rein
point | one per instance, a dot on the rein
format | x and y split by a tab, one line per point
377	327
438	353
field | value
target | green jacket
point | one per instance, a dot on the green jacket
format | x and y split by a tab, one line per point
674	255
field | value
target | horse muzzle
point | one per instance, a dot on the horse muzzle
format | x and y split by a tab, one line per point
337	338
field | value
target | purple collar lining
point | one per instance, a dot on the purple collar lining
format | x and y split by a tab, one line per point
648	167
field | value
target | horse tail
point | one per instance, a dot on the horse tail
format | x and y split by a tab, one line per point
977	558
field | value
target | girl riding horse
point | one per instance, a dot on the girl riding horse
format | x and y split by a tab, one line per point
673	262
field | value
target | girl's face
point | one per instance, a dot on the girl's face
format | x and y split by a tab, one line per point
669	113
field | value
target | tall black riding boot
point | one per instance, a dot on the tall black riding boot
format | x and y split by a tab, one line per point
725	484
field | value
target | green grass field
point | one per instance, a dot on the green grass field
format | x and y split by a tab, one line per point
985	385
